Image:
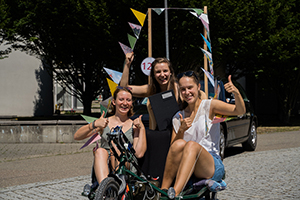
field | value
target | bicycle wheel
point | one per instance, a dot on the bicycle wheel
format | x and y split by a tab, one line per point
108	189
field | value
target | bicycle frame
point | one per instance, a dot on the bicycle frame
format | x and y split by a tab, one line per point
127	154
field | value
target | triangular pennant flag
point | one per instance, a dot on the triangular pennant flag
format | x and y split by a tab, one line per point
92	139
209	76
198	11
112	86
114	75
88	118
125	48
106	102
136	29
102	108
209	57
220	118
140	16
207	42
217	90
96	136
144	102
204	20
158	10
131	40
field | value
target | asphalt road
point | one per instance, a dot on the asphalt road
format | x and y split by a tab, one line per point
42	166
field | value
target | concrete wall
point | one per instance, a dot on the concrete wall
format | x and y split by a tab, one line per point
25	87
39	131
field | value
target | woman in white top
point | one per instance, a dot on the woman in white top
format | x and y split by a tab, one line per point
195	140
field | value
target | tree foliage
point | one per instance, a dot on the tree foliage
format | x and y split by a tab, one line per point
254	38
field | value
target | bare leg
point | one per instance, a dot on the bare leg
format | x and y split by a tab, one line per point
172	163
195	159
100	164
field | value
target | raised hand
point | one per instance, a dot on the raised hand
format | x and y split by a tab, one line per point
129	58
229	87
138	122
186	123
102	121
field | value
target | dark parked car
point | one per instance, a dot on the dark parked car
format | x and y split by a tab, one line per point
237	130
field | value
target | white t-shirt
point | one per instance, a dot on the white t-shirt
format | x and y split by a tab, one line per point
202	130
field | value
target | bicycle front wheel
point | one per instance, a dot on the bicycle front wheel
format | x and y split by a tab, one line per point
107	189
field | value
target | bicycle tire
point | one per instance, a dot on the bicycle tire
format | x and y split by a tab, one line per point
107	189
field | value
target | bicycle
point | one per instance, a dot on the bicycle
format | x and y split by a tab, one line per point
122	183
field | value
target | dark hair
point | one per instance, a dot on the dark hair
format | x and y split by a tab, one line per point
113	107
193	75
154	85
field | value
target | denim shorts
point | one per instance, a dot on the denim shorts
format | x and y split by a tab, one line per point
219	169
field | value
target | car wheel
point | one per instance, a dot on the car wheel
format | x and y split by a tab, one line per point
222	142
251	143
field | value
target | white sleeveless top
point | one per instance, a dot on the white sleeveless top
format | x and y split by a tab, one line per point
202	130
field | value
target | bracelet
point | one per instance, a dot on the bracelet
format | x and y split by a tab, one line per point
93	124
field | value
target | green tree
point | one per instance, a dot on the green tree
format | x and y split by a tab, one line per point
74	39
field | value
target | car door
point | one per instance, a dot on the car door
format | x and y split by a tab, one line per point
238	126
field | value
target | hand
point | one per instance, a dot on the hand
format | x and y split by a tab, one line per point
138	122
102	121
129	58
186	123
229	87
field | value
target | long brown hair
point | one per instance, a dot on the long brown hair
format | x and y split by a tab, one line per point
113	107
154	85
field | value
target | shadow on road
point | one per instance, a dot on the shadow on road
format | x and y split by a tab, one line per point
232	151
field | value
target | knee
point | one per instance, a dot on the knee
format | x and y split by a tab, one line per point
177	146
192	146
101	153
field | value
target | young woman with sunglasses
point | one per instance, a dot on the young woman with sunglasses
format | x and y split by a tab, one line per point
194	151
134	130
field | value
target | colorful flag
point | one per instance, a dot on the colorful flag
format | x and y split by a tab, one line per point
96	136
88	118
125	48
144	102
204	19
106	102
140	16
207	42
209	76
136	29
114	75
220	118
158	10
198	11
217	89
132	40
112	86
209	57
92	139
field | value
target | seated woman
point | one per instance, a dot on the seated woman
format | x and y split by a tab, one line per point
134	131
195	140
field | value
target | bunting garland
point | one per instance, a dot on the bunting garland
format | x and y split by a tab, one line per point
136	30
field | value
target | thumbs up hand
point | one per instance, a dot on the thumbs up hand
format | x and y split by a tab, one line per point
102	121
186	123
229	87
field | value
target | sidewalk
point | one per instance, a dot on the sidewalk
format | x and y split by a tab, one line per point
25	163
21	151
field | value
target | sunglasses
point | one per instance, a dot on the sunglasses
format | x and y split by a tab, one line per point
188	73
121	88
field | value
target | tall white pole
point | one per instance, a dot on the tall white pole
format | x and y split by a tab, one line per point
167	30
